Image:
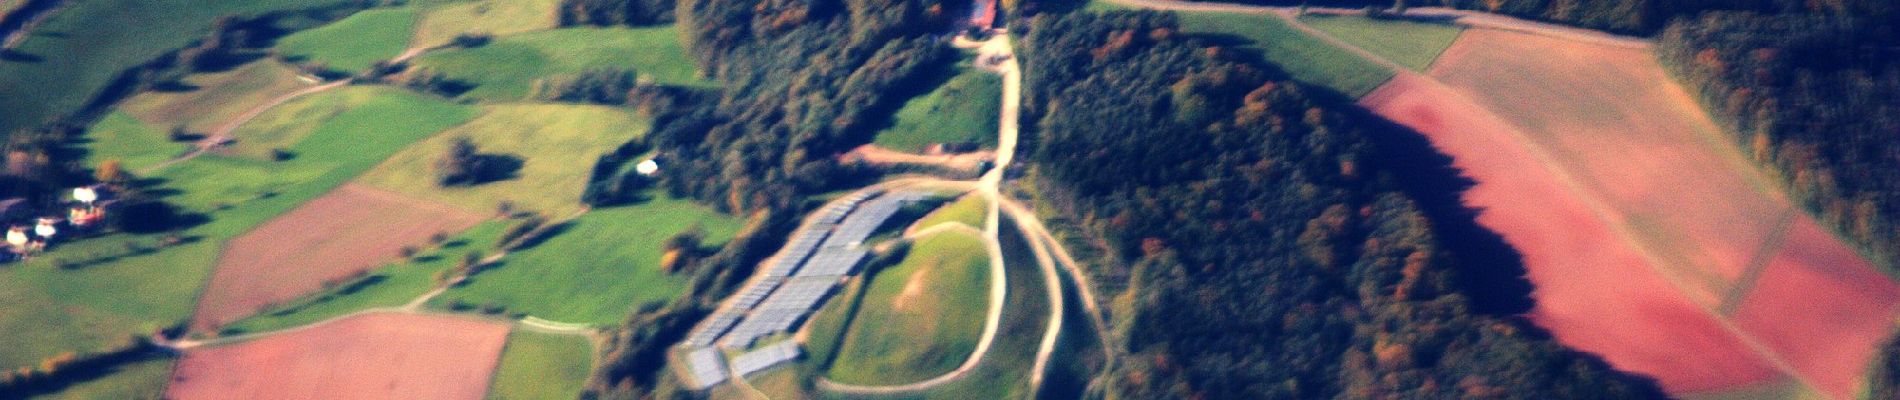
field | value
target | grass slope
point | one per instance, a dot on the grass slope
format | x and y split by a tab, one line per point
82	47
542	366
218	98
970	210
557	143
390	286
919	318
355	42
492	17
507	67
1412	44
111	293
289	123
1004	372
597	270
134	143
1304	57
963	109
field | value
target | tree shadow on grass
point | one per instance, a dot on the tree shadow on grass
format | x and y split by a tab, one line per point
85	369
10	55
550	232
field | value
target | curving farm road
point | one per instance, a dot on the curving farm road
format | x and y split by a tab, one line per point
998	47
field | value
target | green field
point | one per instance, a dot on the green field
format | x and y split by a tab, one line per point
96	40
920	318
597	270
218	98
963	109
971	209
132	142
507	67
491	17
355	108
557	144
542	366
390	286
1304	57
355	42
1412	44
113	293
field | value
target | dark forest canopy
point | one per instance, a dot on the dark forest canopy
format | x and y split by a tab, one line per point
803	81
1268	254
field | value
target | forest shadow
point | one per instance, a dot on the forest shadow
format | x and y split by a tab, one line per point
1491	271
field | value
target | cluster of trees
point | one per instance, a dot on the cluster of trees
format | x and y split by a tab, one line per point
602	86
465	165
616	12
1268	254
803	82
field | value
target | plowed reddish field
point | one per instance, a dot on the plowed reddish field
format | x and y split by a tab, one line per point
1651	240
371	356
351	229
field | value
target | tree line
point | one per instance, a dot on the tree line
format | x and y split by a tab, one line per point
616	12
1267	252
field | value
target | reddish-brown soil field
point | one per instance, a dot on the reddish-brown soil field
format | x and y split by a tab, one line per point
370	356
1593	291
1645	231
352	229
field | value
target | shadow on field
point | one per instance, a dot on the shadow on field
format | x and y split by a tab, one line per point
1491	272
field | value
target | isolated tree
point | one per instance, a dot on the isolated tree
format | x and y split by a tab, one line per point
111	172
1399	7
180	134
460	165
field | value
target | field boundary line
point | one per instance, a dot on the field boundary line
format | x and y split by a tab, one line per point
1771	246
